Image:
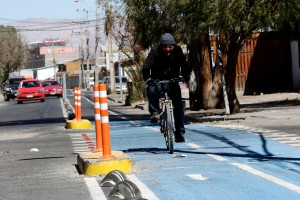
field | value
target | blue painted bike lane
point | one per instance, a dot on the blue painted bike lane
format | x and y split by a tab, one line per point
214	163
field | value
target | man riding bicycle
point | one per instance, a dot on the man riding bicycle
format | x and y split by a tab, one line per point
164	62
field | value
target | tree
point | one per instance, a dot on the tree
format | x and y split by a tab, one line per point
12	51
233	21
185	20
121	31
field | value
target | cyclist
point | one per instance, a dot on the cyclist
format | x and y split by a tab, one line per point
164	62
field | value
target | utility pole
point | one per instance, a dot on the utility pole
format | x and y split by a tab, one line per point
111	64
96	76
53	56
87	52
81	57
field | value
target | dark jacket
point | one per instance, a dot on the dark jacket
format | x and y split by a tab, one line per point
158	66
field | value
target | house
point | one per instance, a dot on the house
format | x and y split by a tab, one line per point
73	71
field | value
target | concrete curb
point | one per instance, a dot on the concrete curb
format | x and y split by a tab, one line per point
1	98
93	164
74	124
116	100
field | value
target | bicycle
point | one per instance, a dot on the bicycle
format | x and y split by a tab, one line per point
167	125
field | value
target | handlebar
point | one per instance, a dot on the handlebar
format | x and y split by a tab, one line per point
173	80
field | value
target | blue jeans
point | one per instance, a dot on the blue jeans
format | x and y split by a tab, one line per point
154	93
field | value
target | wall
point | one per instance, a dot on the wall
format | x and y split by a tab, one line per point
295	65
46	73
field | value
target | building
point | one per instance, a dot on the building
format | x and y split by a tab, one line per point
44	57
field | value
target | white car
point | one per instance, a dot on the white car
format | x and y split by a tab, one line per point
118	85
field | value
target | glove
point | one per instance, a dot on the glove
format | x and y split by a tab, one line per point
181	79
149	81
186	79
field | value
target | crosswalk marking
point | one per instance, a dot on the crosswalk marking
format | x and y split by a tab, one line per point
83	142
285	138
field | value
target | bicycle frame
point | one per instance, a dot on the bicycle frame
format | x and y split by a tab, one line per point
163	103
167	124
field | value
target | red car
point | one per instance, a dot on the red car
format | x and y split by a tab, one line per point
52	88
29	90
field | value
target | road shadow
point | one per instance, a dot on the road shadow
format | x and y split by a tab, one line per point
33	122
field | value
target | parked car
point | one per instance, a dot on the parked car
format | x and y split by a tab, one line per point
29	90
118	85
10	88
52	88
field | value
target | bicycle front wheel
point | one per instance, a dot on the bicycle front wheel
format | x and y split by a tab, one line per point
169	129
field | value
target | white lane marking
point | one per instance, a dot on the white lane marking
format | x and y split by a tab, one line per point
63	109
132	122
112	112
92	102
94	189
195	146
135	123
145	191
197	177
68	102
216	157
268	177
151	128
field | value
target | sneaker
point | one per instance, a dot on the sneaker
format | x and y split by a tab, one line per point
154	118
179	137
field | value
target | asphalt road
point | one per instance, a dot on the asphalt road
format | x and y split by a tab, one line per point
36	155
218	160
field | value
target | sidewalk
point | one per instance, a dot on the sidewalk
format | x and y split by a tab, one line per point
250	106
264	107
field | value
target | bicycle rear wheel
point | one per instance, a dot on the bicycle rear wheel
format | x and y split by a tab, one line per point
169	128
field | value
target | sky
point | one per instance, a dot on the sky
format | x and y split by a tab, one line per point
40	19
15	10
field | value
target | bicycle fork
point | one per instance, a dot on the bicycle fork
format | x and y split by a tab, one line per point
163	121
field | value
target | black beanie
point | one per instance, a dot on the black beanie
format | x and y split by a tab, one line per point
167	38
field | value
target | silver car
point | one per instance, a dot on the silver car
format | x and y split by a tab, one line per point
118	85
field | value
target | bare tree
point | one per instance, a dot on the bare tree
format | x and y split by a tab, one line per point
122	33
12	52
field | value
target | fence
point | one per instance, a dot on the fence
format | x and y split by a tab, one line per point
264	64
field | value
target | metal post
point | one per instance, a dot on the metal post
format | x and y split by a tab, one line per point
120	74
223	78
111	66
64	88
